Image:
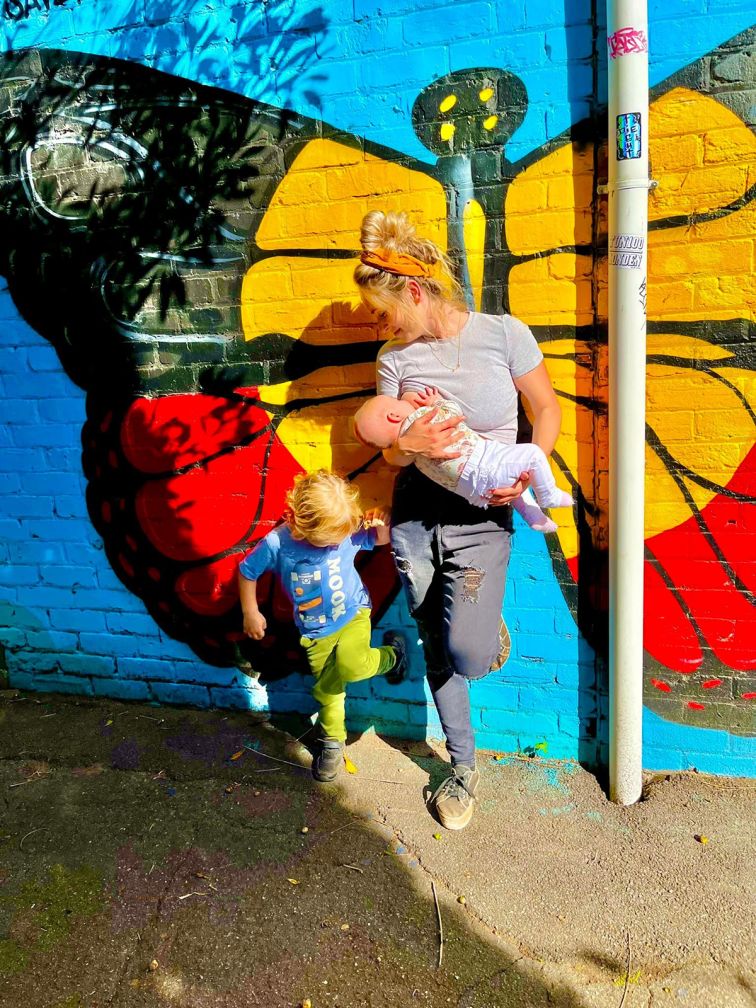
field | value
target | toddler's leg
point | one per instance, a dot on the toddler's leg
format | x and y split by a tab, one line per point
527	508
355	658
328	689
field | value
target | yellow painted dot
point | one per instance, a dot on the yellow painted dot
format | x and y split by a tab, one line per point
447	131
490	122
448	103
486	93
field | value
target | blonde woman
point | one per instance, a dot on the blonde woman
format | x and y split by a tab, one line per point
451	555
313	555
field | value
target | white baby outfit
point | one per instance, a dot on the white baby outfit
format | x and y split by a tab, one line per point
486	465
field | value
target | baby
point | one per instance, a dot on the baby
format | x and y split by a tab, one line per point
484	464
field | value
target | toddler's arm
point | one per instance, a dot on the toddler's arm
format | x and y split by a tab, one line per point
255	623
378	518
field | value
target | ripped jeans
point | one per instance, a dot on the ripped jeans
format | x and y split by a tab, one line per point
453	569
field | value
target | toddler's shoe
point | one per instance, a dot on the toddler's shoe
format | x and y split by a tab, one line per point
398	671
328	759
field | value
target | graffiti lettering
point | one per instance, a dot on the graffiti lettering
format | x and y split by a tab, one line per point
626	243
627	260
20	10
627	40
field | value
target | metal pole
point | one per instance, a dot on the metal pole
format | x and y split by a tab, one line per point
627	32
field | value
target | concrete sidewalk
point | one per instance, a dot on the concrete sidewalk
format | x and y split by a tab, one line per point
165	857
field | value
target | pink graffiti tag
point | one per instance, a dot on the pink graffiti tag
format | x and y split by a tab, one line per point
627	40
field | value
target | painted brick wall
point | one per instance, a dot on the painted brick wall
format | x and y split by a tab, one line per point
133	471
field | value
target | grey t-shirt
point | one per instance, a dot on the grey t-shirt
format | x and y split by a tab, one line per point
493	350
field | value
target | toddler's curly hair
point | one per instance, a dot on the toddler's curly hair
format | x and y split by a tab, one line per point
323	508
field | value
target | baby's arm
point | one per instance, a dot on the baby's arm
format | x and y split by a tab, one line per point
427	396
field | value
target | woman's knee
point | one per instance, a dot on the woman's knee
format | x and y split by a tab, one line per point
470	654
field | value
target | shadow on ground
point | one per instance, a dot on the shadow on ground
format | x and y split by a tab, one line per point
155	856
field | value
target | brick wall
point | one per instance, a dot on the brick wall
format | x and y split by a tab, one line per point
146	268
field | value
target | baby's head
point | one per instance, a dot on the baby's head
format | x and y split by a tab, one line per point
378	421
323	508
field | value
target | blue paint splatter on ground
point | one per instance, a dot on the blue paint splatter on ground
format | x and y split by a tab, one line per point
559	810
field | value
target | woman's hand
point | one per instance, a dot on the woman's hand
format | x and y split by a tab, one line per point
431	439
505	495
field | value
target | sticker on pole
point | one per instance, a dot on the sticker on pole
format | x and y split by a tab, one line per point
626	251
628	136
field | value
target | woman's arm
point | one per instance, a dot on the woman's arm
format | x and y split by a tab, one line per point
426	438
547	418
547	413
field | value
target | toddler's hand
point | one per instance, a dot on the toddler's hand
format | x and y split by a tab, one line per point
255	625
375	518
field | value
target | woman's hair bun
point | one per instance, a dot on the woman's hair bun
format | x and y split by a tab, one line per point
386	230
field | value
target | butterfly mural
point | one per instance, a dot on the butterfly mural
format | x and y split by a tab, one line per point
189	253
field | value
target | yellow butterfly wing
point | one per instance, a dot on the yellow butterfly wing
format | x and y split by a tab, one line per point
701	250
303	288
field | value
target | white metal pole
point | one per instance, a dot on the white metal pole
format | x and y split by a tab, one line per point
627	32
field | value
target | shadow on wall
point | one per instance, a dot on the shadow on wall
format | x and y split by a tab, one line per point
584	34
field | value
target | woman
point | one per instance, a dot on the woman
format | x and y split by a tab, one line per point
452	556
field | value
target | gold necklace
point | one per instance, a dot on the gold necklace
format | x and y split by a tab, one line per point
443	364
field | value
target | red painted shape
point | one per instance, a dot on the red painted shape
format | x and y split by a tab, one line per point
716	603
667	632
221	504
212	588
712	683
660	685
733	523
748	696
165	434
696	706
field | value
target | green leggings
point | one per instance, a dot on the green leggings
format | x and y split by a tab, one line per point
342	657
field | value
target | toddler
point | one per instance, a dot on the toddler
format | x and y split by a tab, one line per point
313	554
484	464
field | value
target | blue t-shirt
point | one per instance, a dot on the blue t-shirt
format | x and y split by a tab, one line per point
321	581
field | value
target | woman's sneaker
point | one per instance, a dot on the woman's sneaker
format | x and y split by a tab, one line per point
328	759
398	671
453	801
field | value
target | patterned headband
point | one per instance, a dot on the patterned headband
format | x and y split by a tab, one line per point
398	263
